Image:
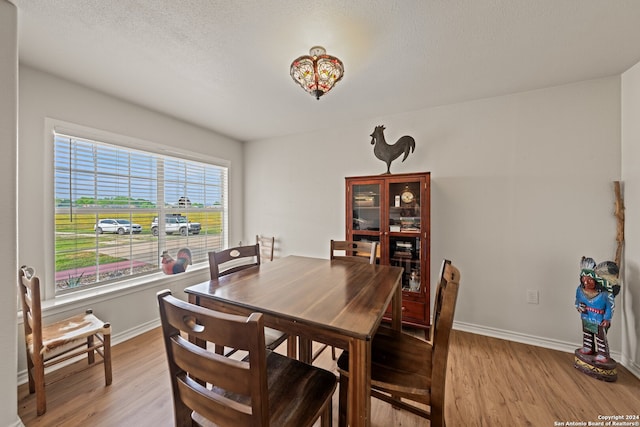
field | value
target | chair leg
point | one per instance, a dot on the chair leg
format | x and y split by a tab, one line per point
219	349
326	419
323	348
342	401
437	416
32	383
182	414
38	378
106	354
91	355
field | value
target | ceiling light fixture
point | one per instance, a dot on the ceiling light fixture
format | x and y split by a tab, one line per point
317	72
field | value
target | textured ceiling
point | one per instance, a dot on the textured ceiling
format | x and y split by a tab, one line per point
224	64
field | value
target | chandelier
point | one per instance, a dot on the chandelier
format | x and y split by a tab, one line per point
317	72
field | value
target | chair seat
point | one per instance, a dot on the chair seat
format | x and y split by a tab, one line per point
289	382
400	364
61	336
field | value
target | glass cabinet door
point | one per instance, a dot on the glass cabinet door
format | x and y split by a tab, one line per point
365	203
405	252
404	204
404	207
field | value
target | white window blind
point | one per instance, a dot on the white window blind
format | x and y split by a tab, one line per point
109	205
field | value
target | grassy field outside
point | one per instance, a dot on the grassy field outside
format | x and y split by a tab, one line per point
77	244
210	221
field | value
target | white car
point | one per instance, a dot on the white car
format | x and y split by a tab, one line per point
120	226
176	223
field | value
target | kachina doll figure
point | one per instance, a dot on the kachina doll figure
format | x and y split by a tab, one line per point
595	300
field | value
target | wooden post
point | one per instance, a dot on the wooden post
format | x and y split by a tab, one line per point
619	213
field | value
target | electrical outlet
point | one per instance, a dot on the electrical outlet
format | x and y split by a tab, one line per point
533	297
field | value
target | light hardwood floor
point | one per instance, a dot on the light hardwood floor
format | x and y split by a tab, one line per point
490	382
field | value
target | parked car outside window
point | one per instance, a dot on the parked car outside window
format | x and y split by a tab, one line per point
120	226
176	223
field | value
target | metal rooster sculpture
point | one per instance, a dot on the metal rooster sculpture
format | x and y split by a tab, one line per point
179	265
388	153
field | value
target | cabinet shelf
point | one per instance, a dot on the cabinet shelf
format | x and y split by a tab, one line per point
405	259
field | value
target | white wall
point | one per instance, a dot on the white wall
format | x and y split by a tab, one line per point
631	179
45	96
8	238
522	187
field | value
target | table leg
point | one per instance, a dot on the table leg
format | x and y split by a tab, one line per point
359	401
396	320
396	309
292	347
305	353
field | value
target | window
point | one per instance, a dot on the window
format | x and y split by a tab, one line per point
117	209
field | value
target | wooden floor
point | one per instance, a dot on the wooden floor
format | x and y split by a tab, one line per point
491	382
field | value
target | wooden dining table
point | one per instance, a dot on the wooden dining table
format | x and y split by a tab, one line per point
336	302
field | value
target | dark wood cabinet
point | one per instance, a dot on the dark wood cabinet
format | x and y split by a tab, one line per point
394	210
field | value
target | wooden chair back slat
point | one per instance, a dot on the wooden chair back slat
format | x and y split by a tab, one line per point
437	303
356	251
29	290
248	255
267	246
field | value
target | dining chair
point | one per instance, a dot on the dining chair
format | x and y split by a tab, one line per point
236	259
356	251
406	367
267	246
263	389
47	345
232	260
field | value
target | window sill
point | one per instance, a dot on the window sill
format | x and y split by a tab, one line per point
82	299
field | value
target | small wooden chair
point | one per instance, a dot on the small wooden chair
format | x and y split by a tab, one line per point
263	389
241	258
357	251
407	367
60	341
267	246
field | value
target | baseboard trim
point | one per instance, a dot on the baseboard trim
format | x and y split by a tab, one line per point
634	368
134	332
567	347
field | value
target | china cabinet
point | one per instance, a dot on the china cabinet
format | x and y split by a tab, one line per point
394	210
